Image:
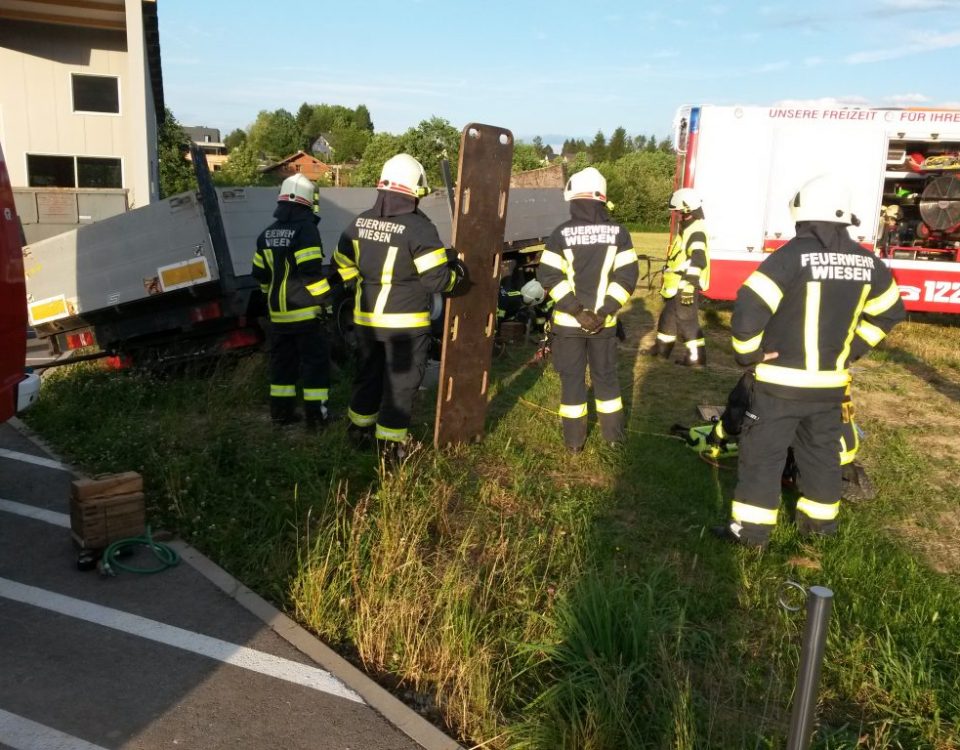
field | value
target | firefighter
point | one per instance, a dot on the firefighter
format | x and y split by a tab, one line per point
288	264
816	305
686	273
590	268
396	256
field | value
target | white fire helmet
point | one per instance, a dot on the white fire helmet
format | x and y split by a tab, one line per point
297	189
685	200
404	174
586	184
532	292
824	198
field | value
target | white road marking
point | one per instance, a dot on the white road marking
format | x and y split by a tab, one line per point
23	734
213	648
30	459
38	514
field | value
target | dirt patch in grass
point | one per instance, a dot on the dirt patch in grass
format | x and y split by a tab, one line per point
936	539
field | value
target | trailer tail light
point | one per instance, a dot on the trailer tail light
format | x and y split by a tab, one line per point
240	339
209	311
119	362
79	340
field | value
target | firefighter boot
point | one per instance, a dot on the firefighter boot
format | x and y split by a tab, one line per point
283	411
733	533
317	416
361	437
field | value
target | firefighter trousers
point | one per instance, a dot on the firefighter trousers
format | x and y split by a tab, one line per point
681	322
812	429
571	354
390	371
298	352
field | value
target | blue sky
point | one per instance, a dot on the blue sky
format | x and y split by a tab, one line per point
552	68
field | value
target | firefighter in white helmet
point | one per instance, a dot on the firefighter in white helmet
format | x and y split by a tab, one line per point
686	274
589	268
395	255
814	306
288	264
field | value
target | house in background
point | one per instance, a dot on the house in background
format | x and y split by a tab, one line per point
322	147
81	94
208	141
300	162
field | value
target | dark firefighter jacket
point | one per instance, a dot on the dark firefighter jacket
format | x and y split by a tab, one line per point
688	260
395	254
821	301
588	261
288	264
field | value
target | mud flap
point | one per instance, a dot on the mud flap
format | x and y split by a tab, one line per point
482	192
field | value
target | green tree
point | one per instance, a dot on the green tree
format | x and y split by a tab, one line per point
639	143
242	168
538	145
380	148
275	134
640	185
176	172
347	140
363	120
428	142
652	143
236	138
598	147
618	144
526	156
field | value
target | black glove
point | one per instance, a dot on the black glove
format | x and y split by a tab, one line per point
687	295
589	321
461	279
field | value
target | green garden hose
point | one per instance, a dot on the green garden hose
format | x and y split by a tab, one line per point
167	556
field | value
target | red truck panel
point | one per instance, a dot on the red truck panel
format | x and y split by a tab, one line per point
13	300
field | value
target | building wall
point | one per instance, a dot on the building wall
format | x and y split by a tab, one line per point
36	101
307	167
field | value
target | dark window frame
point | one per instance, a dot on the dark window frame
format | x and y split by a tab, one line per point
81	172
86	111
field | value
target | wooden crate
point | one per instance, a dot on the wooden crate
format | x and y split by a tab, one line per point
106	509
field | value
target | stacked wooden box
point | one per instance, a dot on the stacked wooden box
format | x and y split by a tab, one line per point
106	509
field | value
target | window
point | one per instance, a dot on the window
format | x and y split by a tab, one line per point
50	171
96	94
72	172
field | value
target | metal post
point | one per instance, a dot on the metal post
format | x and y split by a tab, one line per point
803	716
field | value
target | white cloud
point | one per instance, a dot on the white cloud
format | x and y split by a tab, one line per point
917	43
901	99
812	62
826	102
895	7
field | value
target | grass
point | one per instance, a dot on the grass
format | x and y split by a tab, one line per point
525	598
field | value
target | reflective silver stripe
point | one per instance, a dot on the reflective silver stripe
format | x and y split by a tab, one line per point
573	411
554	260
283	390
665	338
294	316
319	288
884	302
308	253
745	513
802	378
561	290
870	333
386	280
392	320
568	254
811	326
745	347
316	394
388	433
349	273
616	291
605	275
611	406
818	511
430	260
625	258
766	288
361	420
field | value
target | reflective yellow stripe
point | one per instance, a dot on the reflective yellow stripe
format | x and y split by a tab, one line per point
387	433
361	420
694	271
845	352
342	260
605	274
616	291
431	260
386	280
746	513
766	288
568	254
348	273
818	511
811	327
319	288
695	343
258	260
265	288
745	347
284	391
554	260
268	256
561	290
283	286
392	320
802	378
308	253
294	316
625	258
565	320
848	455
665	338
719	431
870	333
610	407
884	302
573	411
316	394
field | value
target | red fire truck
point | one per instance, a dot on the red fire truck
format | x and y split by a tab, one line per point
903	166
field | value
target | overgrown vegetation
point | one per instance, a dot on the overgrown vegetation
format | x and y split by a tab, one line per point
531	599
